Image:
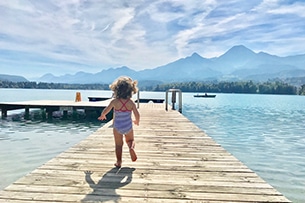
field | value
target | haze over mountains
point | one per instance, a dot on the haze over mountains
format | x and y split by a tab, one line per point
238	63
12	78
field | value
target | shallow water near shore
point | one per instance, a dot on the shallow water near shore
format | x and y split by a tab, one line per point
263	131
25	146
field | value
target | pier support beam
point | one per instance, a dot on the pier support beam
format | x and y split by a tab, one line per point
27	113
3	113
50	111
65	114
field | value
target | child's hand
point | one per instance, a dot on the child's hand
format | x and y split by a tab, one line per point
136	122
102	117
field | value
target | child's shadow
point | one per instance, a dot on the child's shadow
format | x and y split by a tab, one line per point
105	189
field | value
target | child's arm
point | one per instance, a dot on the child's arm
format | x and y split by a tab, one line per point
136	114
106	111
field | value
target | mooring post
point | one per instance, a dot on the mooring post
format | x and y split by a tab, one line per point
173	99
138	99
174	91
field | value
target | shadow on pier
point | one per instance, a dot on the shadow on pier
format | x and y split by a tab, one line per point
105	189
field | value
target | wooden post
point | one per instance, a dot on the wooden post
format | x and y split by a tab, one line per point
174	91
173	99
3	112
49	113
43	114
27	113
138	99
65	114
74	113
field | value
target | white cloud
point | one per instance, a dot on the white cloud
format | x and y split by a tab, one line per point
68	36
294	9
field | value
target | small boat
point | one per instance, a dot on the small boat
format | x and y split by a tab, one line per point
205	95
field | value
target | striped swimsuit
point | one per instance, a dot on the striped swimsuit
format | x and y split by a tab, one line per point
122	119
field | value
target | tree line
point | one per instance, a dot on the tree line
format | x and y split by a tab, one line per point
233	87
44	85
250	87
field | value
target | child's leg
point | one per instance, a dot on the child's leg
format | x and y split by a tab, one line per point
118	139
131	144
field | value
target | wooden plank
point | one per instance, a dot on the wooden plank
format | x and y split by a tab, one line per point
177	162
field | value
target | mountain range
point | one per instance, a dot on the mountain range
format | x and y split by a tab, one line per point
238	63
12	78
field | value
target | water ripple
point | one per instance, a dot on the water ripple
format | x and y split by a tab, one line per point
30	144
267	135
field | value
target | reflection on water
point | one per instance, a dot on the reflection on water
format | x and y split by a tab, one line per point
27	144
269	138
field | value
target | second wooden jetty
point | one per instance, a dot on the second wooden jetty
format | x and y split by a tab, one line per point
52	105
177	162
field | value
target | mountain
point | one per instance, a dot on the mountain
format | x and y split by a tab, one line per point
104	76
264	66
234	59
193	67
79	77
238	63
109	75
12	78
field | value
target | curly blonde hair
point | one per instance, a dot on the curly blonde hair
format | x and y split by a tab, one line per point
124	87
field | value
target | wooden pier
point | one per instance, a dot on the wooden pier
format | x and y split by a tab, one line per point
52	105
177	162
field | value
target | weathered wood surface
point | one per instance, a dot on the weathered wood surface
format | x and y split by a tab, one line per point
177	162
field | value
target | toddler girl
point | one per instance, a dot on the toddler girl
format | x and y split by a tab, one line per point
123	106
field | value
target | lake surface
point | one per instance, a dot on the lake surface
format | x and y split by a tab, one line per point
266	132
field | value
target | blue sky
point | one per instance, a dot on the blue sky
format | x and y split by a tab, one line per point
59	37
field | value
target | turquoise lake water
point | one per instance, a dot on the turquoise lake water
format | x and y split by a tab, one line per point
266	132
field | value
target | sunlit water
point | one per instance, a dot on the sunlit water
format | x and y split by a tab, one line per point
25	146
266	132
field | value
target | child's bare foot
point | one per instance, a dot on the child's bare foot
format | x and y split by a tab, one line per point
118	164
133	155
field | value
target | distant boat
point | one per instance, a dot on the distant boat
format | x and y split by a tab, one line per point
205	95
